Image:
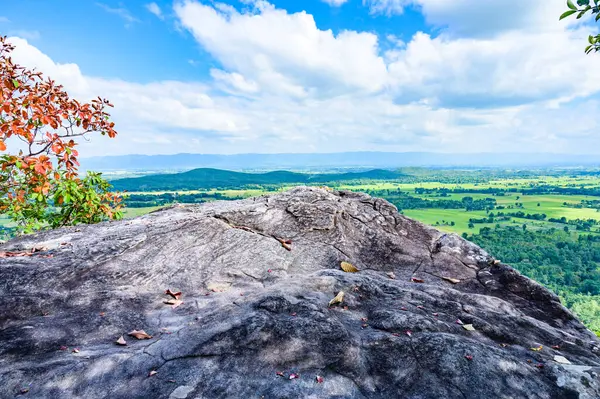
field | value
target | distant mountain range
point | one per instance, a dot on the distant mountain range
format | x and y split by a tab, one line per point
178	162
206	178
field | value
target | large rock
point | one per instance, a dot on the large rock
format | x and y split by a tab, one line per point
252	308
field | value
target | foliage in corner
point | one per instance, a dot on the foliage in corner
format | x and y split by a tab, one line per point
39	181
585	6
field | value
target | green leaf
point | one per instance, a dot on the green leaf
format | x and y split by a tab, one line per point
588	49
567	13
571	5
15	83
591	39
597	17
581	14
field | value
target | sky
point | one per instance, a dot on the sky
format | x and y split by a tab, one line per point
285	76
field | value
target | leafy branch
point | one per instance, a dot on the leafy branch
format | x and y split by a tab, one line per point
585	6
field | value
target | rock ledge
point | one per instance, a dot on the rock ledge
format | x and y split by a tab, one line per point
256	278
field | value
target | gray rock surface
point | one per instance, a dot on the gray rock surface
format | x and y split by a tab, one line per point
252	308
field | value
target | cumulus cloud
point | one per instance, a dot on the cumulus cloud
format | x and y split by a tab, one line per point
477	18
281	84
142	111
286	53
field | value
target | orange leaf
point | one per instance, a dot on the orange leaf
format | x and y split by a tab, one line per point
2	146
139	334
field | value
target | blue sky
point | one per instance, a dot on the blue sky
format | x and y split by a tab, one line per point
319	75
129	42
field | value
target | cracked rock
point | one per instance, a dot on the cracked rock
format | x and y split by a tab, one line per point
251	308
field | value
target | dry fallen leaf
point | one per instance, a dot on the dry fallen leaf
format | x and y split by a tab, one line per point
417	280
348	267
468	327
319	379
280	373
469	357
539	366
24	391
557	347
391	275
121	341
561	359
452	280
408	332
139	334
293	376
75	350
175	295
539	348
174	302
337	299
459	321
151	373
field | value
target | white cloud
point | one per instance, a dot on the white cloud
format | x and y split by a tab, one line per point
286	53
155	9
234	80
472	17
335	3
143	112
510	69
281	84
478	18
4	20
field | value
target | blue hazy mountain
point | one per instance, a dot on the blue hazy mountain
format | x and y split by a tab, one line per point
334	160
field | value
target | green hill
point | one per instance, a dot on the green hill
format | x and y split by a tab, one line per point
205	178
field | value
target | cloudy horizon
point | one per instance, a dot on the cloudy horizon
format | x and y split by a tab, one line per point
258	76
